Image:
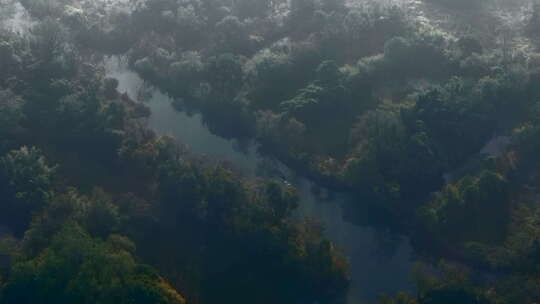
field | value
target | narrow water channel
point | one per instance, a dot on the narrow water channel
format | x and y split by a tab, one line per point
379	263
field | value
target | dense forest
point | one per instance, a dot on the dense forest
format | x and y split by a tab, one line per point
425	114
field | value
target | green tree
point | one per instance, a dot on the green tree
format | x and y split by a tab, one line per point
253	8
11	119
473	210
78	269
232	36
26	182
225	75
266	71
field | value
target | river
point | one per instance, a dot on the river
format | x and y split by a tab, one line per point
380	262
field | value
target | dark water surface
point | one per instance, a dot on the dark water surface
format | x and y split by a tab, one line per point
380	263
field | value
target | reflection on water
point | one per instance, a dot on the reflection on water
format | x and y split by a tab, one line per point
189	130
380	262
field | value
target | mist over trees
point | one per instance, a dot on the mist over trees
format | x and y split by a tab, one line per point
427	110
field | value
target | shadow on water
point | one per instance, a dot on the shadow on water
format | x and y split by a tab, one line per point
380	261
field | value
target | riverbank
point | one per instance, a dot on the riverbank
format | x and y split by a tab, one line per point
380	262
